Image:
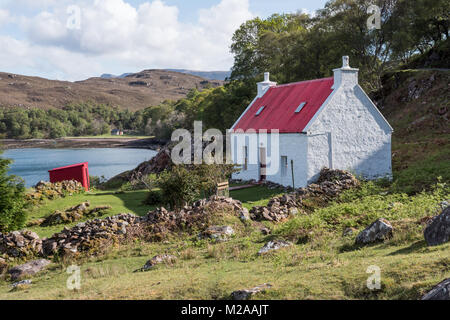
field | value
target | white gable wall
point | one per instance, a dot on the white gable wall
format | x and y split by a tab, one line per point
358	138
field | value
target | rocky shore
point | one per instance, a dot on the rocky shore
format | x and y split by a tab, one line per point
62	143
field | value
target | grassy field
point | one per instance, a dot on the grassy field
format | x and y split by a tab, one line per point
324	265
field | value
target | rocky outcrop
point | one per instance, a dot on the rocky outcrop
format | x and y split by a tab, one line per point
157	164
28	269
89	235
439	292
162	258
330	184
47	190
20	244
378	231
438	229
217	233
274	245
248	293
74	214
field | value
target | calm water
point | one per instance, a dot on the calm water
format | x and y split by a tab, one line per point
33	164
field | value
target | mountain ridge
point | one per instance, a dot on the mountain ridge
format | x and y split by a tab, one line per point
134	91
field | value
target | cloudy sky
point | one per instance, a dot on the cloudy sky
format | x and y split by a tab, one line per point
78	39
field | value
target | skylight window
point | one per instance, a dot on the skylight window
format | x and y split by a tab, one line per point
259	111
300	107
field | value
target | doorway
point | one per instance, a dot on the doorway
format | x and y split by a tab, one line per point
262	164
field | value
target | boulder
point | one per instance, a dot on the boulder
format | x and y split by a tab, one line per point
438	230
244	215
217	233
162	258
274	245
248	293
439	292
265	231
22	284
28	269
380	230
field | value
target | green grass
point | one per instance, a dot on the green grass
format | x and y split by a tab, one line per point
322	263
255	196
127	202
213	271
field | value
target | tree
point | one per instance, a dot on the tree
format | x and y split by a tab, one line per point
12	199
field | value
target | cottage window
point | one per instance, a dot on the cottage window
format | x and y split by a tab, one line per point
259	111
284	166
300	107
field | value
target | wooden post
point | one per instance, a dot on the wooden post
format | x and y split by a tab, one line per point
292	172
223	189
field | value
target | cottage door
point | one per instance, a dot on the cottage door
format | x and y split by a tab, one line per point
262	164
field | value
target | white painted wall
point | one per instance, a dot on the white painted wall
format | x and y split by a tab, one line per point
359	139
292	145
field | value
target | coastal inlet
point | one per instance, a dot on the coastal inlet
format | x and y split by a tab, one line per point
32	164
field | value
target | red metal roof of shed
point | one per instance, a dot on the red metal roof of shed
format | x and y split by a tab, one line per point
280	103
71	166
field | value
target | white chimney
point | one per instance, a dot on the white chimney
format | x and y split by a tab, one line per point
345	76
266	84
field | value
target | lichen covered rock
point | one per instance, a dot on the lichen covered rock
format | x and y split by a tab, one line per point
438	229
378	231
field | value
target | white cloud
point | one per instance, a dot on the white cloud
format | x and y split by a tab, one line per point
114	33
4	17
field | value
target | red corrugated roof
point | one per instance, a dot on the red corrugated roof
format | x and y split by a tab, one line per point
71	166
280	103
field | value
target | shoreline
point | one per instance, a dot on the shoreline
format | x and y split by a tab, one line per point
69	143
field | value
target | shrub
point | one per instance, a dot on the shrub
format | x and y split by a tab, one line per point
179	186
12	199
154	197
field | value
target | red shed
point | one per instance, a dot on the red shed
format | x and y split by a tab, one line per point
78	172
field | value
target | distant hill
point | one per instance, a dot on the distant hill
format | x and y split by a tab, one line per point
210	75
133	91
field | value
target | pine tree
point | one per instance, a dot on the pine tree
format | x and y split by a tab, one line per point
12	199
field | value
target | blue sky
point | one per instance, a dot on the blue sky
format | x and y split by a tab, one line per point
42	38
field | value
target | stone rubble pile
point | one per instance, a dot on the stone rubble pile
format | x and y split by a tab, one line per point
330	184
74	214
47	190
20	244
197	216
87	235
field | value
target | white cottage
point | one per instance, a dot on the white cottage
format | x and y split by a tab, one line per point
327	122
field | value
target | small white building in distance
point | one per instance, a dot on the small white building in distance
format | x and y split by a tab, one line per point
327	122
